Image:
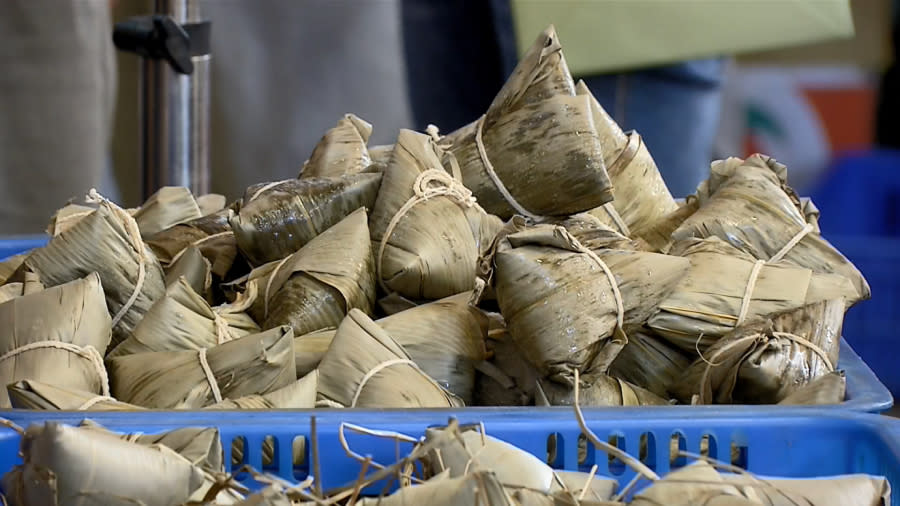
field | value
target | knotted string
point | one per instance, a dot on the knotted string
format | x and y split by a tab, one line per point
197	243
757	267
94	400
88	353
489	169
134	236
429	184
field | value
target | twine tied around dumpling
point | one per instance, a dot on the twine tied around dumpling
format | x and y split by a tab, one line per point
428	185
757	267
134	236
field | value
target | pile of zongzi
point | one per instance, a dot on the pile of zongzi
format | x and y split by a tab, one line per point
489	266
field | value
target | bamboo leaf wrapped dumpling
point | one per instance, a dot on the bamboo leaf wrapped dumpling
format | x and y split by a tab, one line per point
342	150
445	338
765	362
536	151
565	305
425	227
365	367
253	364
107	242
58	336
277	219
66	465
183	320
641	196
724	288
650	362
211	234
314	288
31	394
748	204
596	390
169	206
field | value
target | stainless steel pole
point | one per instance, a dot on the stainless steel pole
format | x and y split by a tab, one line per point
176	114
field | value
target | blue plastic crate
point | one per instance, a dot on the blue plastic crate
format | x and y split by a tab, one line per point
798	443
10	246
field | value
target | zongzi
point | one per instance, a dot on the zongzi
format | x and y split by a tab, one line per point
107	242
58	336
341	151
278	218
425	226
764	362
169	206
365	367
253	364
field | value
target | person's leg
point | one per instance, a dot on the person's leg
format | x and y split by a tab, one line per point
676	110
453	65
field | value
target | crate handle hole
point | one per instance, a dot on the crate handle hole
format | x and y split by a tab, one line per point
238	455
738	455
555	450
677	444
299	457
586	453
709	447
269	453
647	450
616	466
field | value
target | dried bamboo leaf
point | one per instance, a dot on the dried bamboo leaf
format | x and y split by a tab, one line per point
300	394
183	320
381	156
541	73
31	283
595	233
211	233
597	390
693	484
547	155
599	488
425	239
341	151
472	451
66	465
65	349
649	362
211	203
658	236
30	394
253	364
9	266
365	367
707	302
828	389
194	268
748	204
508	379
445	338
559	304
314	288
66	217
845	490
642	197
107	242
278	220
763	363
202	446
169	206
477	488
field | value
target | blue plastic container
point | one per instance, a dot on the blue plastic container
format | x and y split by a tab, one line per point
798	443
10	246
